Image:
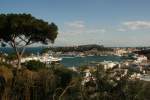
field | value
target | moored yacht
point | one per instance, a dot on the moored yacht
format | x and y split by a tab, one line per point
45	59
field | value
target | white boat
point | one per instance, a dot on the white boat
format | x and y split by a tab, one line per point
44	59
90	55
49	59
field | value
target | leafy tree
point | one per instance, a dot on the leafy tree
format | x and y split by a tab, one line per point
21	30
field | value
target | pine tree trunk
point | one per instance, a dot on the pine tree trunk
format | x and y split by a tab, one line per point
19	61
15	72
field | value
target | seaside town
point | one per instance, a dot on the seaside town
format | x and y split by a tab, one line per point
74	50
138	63
132	65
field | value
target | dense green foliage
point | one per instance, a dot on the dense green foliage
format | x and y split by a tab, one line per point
34	65
60	83
81	48
35	30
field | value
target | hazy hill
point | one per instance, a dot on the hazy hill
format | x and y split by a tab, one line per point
79	48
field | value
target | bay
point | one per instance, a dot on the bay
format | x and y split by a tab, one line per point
67	60
78	61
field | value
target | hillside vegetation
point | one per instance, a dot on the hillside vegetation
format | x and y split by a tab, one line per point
60	83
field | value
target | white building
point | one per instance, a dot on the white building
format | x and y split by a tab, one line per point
140	59
109	64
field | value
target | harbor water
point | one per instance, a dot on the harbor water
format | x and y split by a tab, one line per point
78	61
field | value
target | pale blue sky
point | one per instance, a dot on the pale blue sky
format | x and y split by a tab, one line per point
109	22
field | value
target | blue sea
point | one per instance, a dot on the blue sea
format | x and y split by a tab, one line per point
79	61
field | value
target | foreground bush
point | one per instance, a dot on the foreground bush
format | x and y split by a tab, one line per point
60	83
34	65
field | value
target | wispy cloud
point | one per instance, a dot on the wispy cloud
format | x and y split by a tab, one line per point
96	30
81	27
121	30
136	25
80	32
76	24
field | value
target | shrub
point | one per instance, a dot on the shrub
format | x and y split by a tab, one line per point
34	65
